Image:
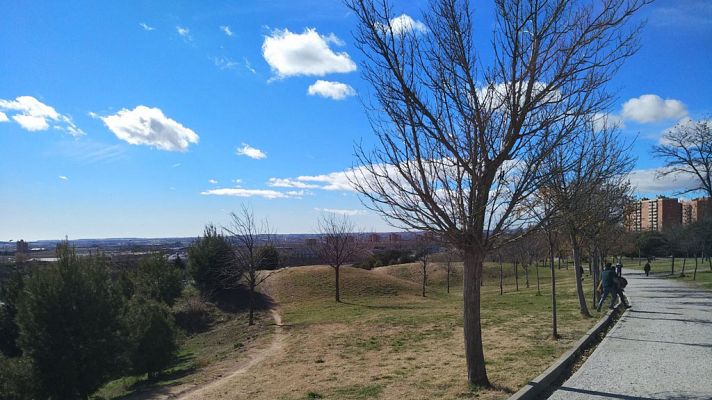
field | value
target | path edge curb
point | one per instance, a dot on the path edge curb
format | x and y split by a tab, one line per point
542	382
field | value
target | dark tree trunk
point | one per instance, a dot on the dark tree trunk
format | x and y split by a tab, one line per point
474	353
336	284
526	275
425	276
672	268
594	275
684	262
501	277
448	276
252	301
554	333
583	307
538	288
694	274
516	276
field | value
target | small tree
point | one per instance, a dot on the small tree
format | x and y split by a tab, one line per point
207	258
247	239
424	248
71	326
157	279
338	244
152	335
10	292
269	257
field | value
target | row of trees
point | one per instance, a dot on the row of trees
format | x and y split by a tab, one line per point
69	328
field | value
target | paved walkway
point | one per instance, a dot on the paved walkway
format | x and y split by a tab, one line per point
659	349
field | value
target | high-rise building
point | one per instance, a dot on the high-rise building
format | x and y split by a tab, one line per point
22	247
661	214
695	210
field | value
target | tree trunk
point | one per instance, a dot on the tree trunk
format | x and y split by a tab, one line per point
336	284
538	289
501	277
672	270
554	333
425	276
448	276
252	301
684	261
579	284
516	276
474	353
594	274
526	275
694	274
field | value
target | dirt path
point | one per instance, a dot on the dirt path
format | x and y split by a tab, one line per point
254	358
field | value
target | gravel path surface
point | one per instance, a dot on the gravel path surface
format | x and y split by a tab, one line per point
659	349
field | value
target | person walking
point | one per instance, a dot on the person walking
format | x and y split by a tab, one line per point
646	268
620	284
608	285
619	269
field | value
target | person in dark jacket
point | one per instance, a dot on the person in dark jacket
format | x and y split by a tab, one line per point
621	283
646	268
608	285
619	269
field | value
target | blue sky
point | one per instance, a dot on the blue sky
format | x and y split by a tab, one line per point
237	111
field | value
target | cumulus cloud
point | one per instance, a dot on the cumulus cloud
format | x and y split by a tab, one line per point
332	90
405	23
337	181
146	27
249	151
653	108
290	183
33	115
150	127
350	213
242	192
212	181
648	181
3	117
226	30
308	53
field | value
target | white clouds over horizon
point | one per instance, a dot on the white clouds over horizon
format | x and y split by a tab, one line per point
334	181
308	53
242	192
650	108
150	127
339	211
33	115
249	151
331	90
648	181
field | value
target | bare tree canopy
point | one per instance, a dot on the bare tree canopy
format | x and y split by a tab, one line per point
687	150
461	142
339	243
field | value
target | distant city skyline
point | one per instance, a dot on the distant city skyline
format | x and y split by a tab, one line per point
151	119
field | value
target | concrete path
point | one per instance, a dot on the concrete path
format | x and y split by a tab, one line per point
659	349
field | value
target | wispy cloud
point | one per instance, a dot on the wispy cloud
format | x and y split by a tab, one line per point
212	181
146	27
347	212
90	152
176	165
184	33
32	115
242	192
225	63
150	127
248	66
63	178
226	30
334	181
249	151
687	14
649	182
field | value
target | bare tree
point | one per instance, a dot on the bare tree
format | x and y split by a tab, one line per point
687	150
248	237
424	248
338	244
460	143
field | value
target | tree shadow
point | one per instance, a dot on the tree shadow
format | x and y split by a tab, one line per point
704	345
654	312
238	300
694	321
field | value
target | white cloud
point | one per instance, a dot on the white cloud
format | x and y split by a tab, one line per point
226	30
3	117
648	181
147	27
350	213
653	108
601	120
149	126
225	63
290	183
404	23
212	181
248	65
308	53
63	178
249	151
176	165
33	115
241	192
184	32
332	90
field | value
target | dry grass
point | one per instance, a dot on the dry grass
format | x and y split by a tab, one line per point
386	342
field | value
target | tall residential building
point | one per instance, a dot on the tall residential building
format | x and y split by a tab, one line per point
22	247
699	209
659	214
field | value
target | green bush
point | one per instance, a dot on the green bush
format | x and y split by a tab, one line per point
157	279
268	257
10	291
153	336
208	257
193	315
70	326
16	379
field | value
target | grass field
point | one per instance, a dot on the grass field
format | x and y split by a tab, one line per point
662	268
385	341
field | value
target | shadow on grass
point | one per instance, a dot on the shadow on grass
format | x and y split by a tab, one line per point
238	300
161	384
